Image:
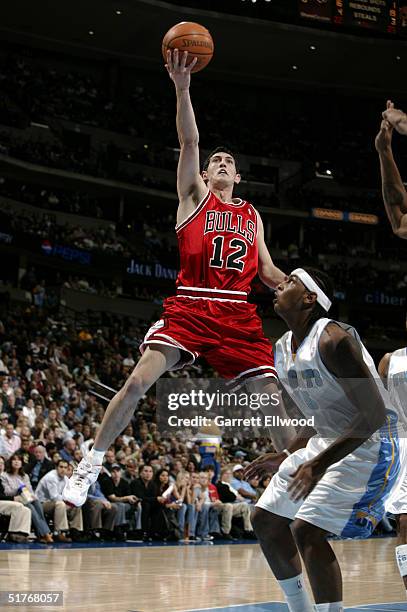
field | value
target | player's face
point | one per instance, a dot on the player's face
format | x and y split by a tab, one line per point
221	171
290	295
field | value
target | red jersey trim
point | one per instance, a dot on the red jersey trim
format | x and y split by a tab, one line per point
194	213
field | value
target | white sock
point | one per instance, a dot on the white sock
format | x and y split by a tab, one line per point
337	606
296	594
95	457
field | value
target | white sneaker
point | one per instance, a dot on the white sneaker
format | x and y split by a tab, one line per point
76	489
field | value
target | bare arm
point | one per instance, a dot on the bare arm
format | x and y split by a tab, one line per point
383	368
394	193
190	185
269	274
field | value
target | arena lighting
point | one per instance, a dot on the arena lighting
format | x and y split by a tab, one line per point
118	12
312	48
398	57
295	67
91	32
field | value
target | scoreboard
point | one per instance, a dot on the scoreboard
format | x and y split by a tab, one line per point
386	16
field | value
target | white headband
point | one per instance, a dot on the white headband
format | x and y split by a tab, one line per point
311	285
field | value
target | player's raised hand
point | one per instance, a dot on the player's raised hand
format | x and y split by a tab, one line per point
394	116
179	72
384	137
265	465
304	479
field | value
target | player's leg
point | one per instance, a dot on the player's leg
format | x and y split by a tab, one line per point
322	566
155	361
401	549
279	548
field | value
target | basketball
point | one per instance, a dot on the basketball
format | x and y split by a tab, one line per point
191	37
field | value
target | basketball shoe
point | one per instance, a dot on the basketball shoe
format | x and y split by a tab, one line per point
76	489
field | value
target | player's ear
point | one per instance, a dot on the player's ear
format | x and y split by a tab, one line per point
204	175
310	298
238	178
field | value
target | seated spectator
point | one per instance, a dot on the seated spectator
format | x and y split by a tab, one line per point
68	449
144	489
20	516
242	487
236	506
17	484
131	472
202	526
25	451
38	466
117	490
187	513
110	459
10	442
213	502
164	515
49	493
99	513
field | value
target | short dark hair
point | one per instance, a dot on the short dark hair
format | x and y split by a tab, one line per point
220	150
62	461
325	283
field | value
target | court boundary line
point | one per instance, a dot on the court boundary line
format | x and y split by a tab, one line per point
355	607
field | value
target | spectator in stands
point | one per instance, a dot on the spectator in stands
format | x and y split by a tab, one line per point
25	451
17	484
39	465
118	490
99	513
211	499
164	515
20	516
49	493
187	513
10	442
68	449
242	487
131	472
236	506
110	459
202	527
144	489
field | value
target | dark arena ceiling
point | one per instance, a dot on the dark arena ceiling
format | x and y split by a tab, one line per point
247	49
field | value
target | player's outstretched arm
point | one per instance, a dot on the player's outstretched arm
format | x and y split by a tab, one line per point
342	356
394	193
190	185
269	274
383	367
396	117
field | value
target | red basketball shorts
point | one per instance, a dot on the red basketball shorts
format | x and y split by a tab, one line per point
228	334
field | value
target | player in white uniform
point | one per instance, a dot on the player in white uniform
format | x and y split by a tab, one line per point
337	480
393	368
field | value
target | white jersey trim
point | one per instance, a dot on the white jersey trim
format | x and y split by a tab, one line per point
212	290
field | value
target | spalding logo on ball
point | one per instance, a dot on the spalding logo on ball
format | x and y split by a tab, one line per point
191	37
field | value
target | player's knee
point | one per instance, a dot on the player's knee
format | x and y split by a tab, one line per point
306	534
264	524
134	388
402	524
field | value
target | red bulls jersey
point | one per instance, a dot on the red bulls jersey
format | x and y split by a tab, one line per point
218	246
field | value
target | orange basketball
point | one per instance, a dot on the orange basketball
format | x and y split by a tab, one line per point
191	37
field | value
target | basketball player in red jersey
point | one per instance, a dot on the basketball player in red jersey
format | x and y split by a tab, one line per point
222	248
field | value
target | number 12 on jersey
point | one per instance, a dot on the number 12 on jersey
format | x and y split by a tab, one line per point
233	260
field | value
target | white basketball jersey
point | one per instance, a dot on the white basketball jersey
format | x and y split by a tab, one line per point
397	385
314	389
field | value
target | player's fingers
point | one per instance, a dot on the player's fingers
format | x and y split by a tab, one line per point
169	61
192	64
184	59
175	59
389	104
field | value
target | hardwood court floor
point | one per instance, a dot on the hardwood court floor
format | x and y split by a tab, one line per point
183	577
